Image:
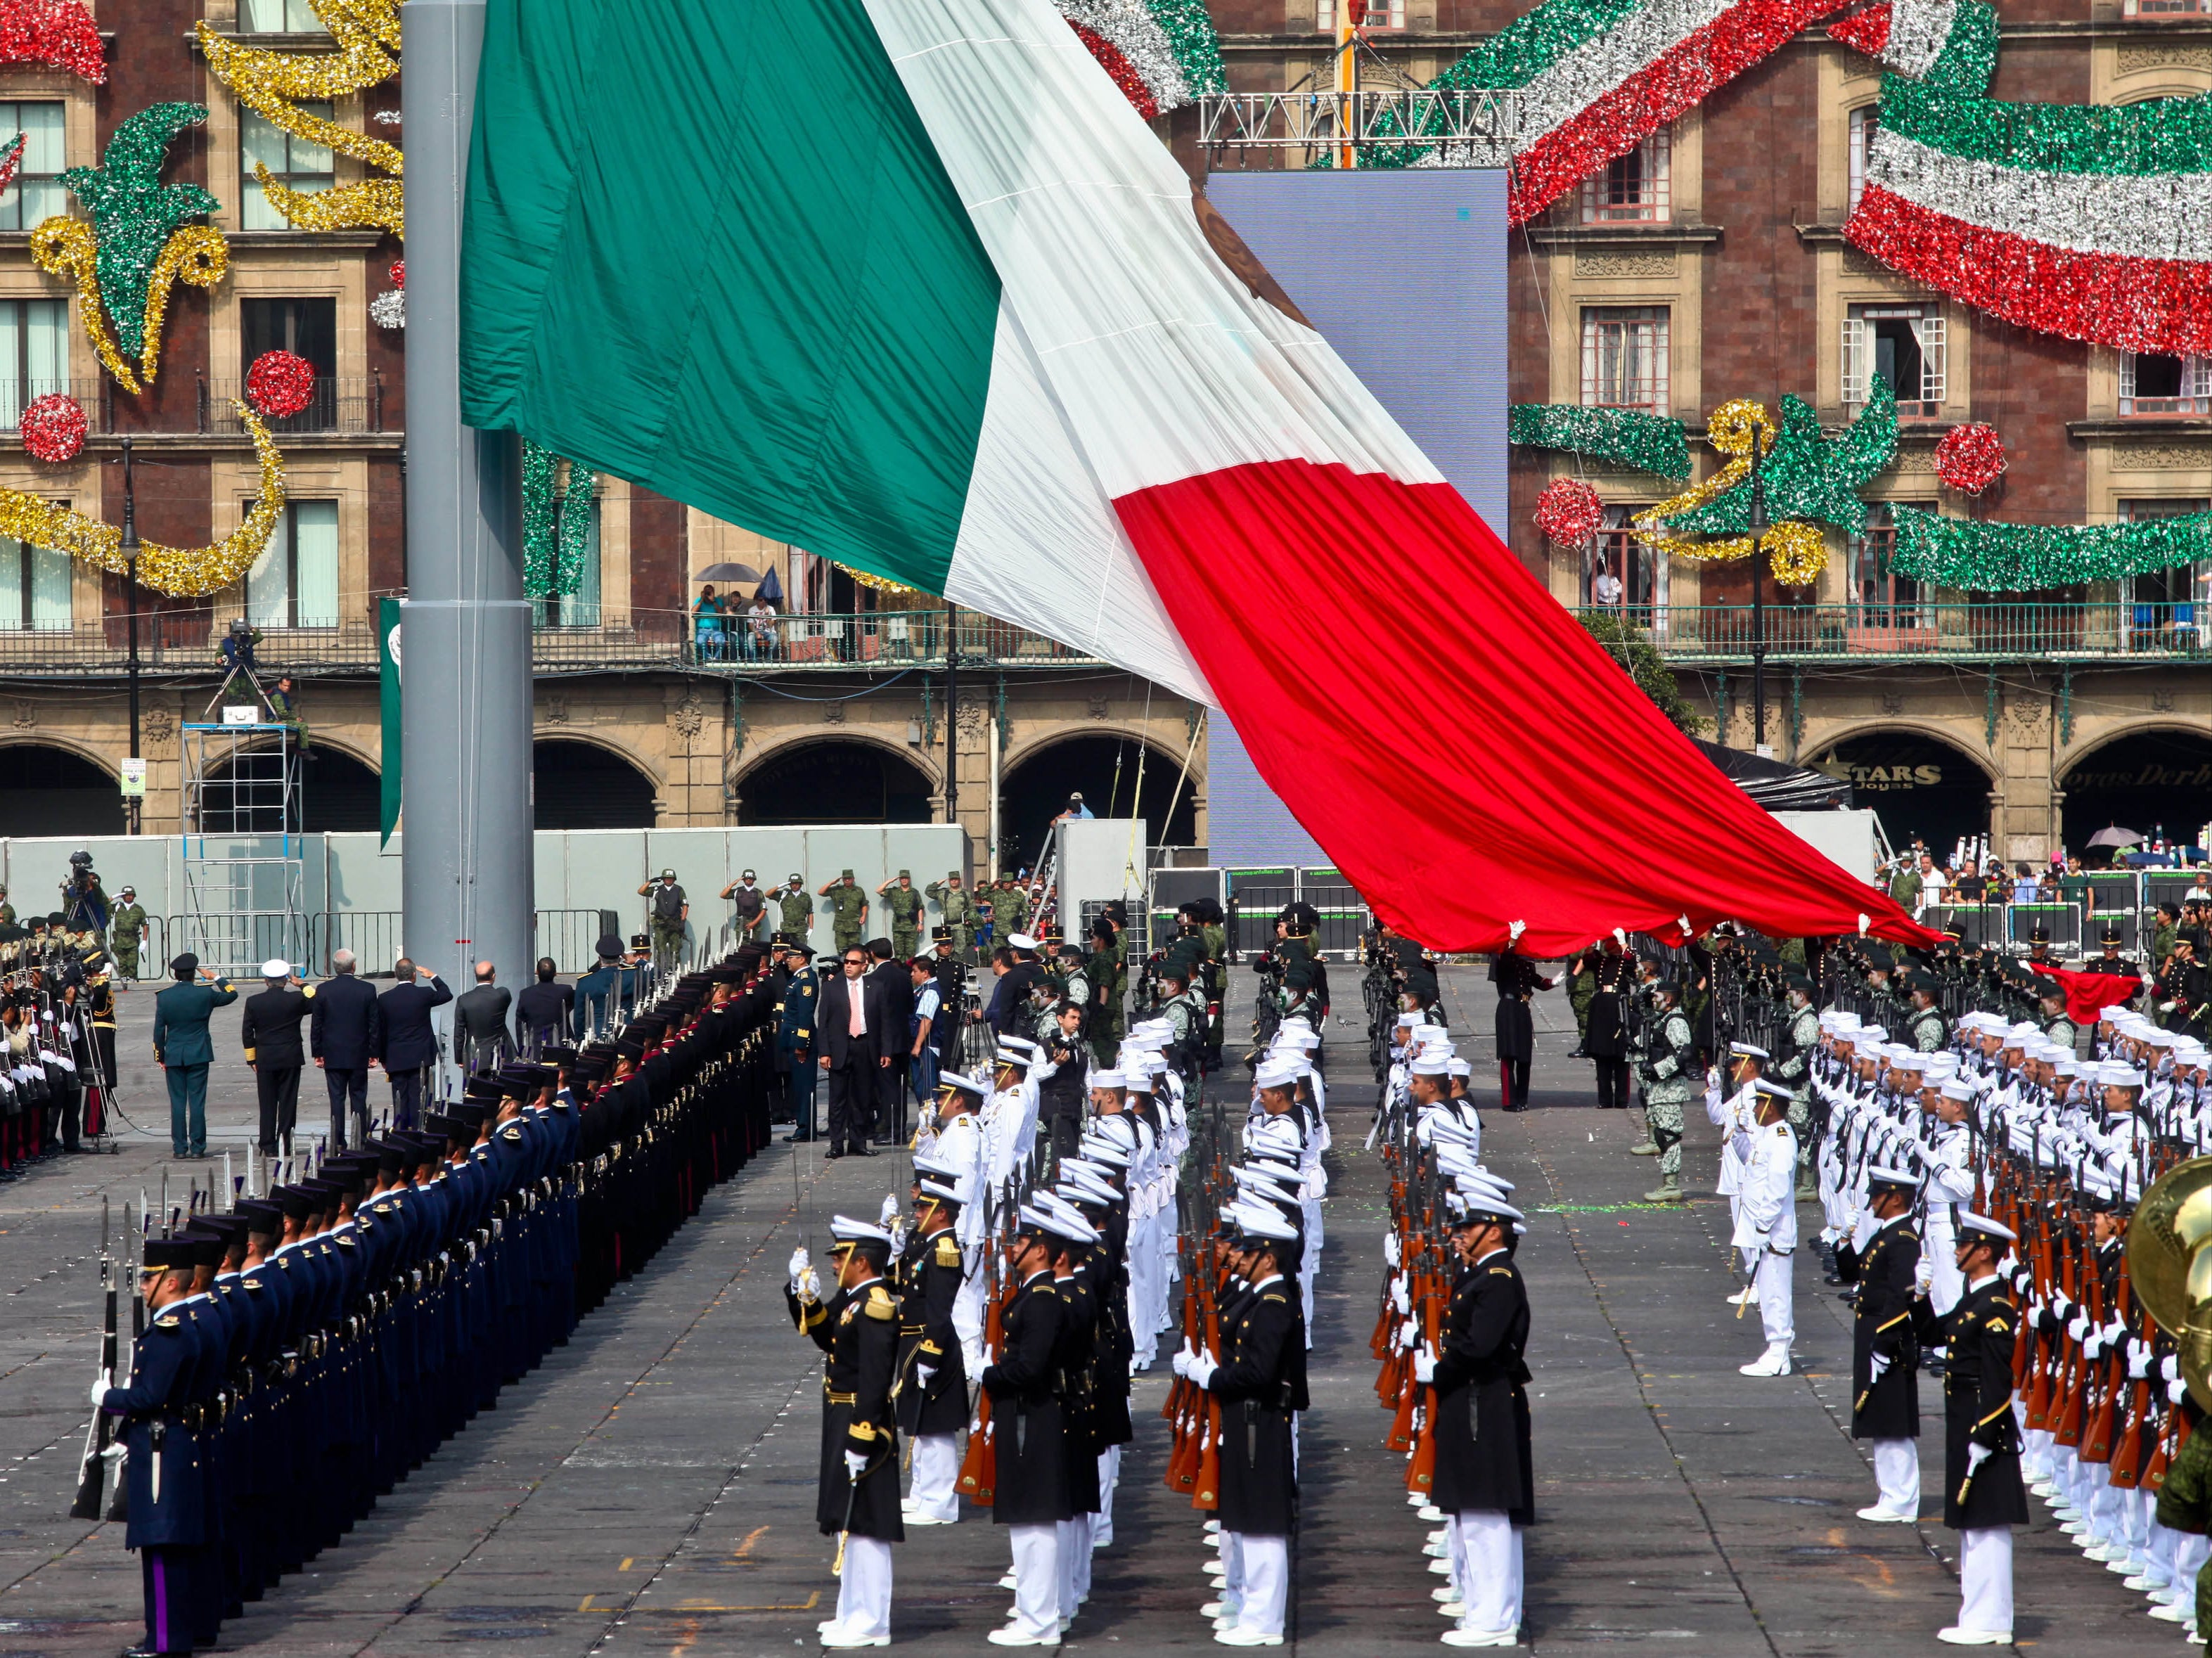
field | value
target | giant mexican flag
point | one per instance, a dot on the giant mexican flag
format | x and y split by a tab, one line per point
909	283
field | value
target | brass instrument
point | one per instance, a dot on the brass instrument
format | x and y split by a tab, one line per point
2170	1266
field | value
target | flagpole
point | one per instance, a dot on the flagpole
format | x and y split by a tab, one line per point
465	690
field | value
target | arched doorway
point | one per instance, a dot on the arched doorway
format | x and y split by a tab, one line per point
339	795
580	786
1103	769
1917	784
2151	782
50	791
834	782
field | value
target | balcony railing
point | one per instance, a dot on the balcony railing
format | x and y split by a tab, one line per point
348	404
1951	631
17	394
185	641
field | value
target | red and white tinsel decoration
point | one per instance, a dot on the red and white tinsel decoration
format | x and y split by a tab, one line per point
1570	512
280	384
389	310
53	428
1161	53
1904	35
1971	457
59	33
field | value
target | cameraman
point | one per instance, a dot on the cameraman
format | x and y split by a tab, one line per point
84	902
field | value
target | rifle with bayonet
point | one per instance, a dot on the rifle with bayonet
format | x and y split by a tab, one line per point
97	1435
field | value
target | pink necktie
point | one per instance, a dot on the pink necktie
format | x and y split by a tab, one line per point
859	1024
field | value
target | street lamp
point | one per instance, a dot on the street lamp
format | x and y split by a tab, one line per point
1758	527
130	550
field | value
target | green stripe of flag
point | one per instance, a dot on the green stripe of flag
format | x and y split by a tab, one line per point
710	249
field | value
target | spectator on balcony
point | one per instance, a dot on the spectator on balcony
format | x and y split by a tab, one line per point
1605	588
1969	884
2026	888
759	640
1932	882
707	625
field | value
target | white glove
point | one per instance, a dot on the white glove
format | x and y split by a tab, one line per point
924	1371
2061	1306
2114	1330
1408	1333
1876	1364
1390	1248
1425	1366
1923	1275
799	1259
856	1465
2139	1364
2176	1392
1401	1297
1181	1362
809	1286
2078	1327
101	1384
2170	1367
1201	1371
889	1212
1976	1455
2094	1345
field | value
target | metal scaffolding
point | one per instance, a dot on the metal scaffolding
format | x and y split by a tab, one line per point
1466	127
244	856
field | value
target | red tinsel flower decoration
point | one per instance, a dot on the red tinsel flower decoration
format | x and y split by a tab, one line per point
59	33
1570	512
280	384
54	427
399	273
1970	458
1111	59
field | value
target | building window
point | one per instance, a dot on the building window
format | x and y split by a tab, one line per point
2160	604
1630	189
1902	344
581	608
295	585
38	193
1865	123
1882	598
1379	15
34	354
293	161
1625	357
2152	383
2164	8
1620	573
34	588
277	17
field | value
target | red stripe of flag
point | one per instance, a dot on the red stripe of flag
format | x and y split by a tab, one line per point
1340	617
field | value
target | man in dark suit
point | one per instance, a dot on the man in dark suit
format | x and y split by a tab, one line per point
899	996
857	1044
542	1011
407	1046
184	1051
481	1040
271	1033
341	1035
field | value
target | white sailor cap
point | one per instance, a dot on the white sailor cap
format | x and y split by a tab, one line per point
844	1230
937	1190
1106	1151
1274	1072
1277	1135
1443	1124
962	1080
1955	1090
1872	1033
1747	1050
1140	1072
1969	1221
1908	1059
1430	1063
1882	1174
2118	1073
1407	1021
2022	1032
1458	1067
1982	1019
2159	1036
1154	1027
1108	1080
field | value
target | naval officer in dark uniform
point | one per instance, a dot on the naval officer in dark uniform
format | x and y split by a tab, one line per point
1517	980
1983	1498
1885	1349
858	1499
1486	1480
932	1389
1027	1387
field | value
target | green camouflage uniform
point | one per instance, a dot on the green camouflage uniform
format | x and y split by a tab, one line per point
1667	1087
1011	905
1109	972
848	912
796	915
956	904
2184	1505
904	904
122	931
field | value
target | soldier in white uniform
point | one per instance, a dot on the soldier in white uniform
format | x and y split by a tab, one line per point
1766	1224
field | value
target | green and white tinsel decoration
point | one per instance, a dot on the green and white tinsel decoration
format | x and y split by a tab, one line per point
1620	437
1983	557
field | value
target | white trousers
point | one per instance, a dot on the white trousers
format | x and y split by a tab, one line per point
1110	1473
935	1492
1946	1283
1487	1545
1074	1541
1985	1579
1267	1586
1777	1291
1897	1474
1232	1569
864	1590
968	1311
1037	1578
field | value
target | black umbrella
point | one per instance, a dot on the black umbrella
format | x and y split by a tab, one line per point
735	575
2115	837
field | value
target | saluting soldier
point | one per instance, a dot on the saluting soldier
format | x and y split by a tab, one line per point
932	1389
848	911
1261	1381
1486	1480
1983	1498
857	1497
903	901
1884	1347
957	905
1010	906
126	930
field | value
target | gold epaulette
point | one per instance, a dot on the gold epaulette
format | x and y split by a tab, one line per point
948	1249
880	1302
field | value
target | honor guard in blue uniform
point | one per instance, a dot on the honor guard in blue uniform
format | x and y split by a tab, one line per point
795	1040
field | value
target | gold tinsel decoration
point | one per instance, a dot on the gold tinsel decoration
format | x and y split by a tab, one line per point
1795	552
267	83
196	254
179	571
880	583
